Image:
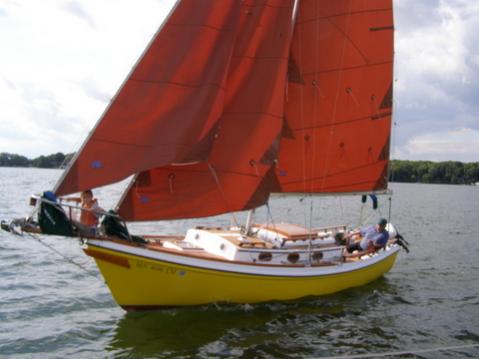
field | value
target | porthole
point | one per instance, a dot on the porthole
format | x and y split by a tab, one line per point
317	256
293	257
265	257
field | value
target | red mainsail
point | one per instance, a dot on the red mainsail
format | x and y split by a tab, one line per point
339	99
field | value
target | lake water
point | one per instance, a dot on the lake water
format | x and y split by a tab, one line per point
50	308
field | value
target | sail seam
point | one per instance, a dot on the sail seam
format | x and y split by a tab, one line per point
261	57
180	84
348	38
338	173
267	5
211	27
348	68
332	189
143	145
374	117
252	113
345	14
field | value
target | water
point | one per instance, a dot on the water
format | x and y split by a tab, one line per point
50	308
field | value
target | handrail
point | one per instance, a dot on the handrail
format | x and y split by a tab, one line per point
60	203
102	212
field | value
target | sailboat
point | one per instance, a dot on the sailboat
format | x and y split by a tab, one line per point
232	102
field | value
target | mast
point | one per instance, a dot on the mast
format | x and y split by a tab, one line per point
249	222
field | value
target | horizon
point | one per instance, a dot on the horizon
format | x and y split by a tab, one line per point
390	159
63	62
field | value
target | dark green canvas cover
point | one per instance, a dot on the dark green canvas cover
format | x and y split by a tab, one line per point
52	218
114	227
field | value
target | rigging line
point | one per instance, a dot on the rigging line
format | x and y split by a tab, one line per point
222	194
67	259
336	97
301	100
390	209
335	106
342	209
270	214
361	215
315	122
392	144
403	352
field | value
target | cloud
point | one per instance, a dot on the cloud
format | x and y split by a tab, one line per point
77	9
437	75
94	91
458	144
57	75
63	60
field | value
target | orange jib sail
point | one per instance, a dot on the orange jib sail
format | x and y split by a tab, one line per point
167	108
238	172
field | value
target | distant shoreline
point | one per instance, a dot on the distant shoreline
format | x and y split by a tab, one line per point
448	172
56	160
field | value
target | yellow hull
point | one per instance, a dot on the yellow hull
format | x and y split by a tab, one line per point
138	282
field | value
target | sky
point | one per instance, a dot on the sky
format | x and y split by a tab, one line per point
61	61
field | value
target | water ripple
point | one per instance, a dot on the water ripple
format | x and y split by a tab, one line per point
51	308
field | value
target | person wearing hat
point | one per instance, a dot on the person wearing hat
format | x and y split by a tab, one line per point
372	238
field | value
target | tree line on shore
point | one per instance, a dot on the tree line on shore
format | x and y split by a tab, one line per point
56	160
449	172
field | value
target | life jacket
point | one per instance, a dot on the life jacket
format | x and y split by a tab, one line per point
89	218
